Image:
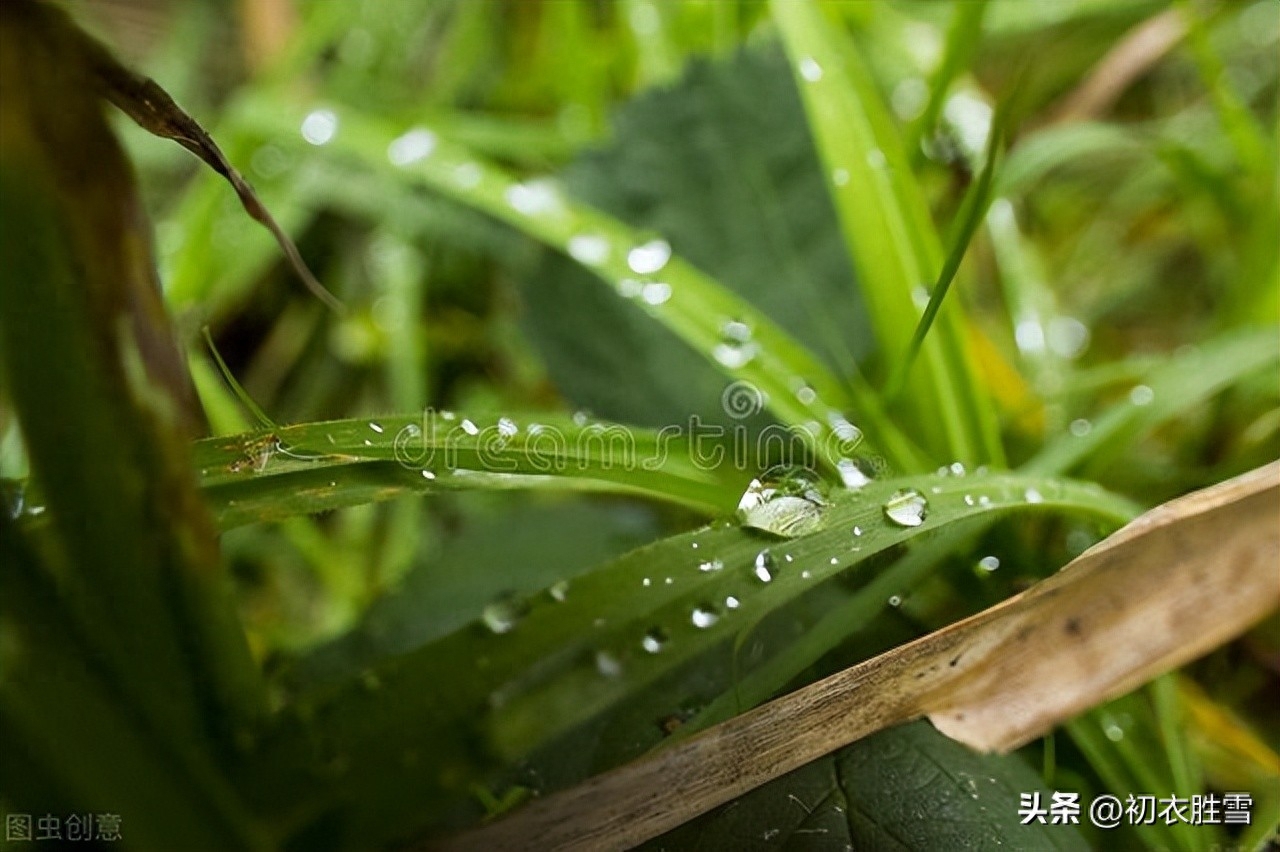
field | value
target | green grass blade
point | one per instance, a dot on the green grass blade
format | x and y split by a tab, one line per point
606	657
640	267
316	467
972	210
891	239
1175	386
963	37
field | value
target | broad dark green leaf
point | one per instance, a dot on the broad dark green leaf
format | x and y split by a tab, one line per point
720	164
906	788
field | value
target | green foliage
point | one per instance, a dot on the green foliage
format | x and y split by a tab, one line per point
543	214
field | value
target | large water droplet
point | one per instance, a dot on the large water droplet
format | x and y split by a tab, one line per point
785	501
413	146
907	508
989	563
503	614
704	616
650	257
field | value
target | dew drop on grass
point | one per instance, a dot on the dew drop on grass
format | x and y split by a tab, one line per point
906	508
1141	395
607	664
851	474
731	602
503	614
764	566
784	501
957	469
649	257
989	563
413	146
559	591
895	600
1080	427
840	177
710	565
469	427
507	427
320	126
654	640
806	395
1033	496
589	249
467	175
535	198
656	293
704	616
810	69
736	348
376	427
426	474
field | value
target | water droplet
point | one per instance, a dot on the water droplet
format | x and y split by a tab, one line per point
731	602
1029	335
1141	395
1068	337
580	418
507	427
840	177
957	469
654	640
467	175
895	600
650	257
968	500
376	427
320	126
804	575
1033	496
785	501
590	249
656	292
851	474
857	531
907	508
984	500
1080	427
607	664
559	591
537	197
764	566
806	395
469	427
1114	732
989	563
876	158
503	614
413	146
844	430
704	616
810	69
711	565
426	474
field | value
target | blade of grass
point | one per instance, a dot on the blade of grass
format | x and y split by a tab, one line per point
575	662
316	467
640	267
963	36
971	213
891	239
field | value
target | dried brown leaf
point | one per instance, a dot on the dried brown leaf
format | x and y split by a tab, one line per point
1175	583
